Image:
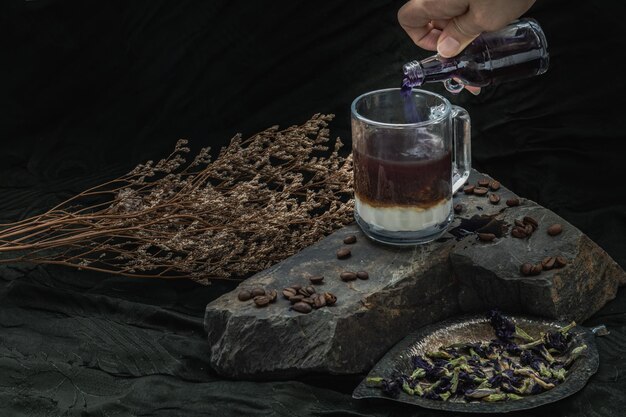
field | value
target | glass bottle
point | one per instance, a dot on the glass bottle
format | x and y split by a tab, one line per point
514	52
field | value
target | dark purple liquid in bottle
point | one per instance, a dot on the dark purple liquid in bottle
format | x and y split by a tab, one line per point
515	52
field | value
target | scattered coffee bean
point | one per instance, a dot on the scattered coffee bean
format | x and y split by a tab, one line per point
244	295
486	237
261	300
317	279
483	182
458	208
306	291
301	307
526	269
519	223
347	276
494	198
536	269
319	301
349	240
258	291
548	263
529	229
362	275
272	294
468	189
555	229
343	253
531	221
494	185
518	232
296	287
330	298
481	191
560	262
289	292
308	300
512	202
296	298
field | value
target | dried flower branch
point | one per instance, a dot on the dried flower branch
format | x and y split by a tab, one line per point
261	200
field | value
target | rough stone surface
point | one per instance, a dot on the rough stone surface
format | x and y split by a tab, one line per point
407	288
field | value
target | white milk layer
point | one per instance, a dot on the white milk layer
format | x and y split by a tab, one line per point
403	219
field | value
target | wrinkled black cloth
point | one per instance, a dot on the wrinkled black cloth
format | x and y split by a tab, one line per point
90	89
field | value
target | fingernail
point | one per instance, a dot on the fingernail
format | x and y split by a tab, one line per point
473	90
448	47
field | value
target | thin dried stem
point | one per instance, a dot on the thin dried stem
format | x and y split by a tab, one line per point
261	200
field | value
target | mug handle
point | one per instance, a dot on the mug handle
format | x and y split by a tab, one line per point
461	147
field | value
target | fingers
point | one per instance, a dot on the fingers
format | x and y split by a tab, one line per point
415	21
457	34
423	20
448	26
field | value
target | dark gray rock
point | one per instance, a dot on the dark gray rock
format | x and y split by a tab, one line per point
407	288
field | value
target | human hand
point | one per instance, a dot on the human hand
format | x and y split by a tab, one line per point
448	26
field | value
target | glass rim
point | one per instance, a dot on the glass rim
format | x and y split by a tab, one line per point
439	118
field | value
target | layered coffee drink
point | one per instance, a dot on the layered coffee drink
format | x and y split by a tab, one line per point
400	188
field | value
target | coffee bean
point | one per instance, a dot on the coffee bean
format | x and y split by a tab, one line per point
486	237
261	300
362	275
529	229
349	240
512	202
308	300
518	232
555	229
494	185
548	263
317	279
343	253
301	307
347	276
310	289
244	295
526	268
519	223
536	269
304	291
494	198
319	302
481	191
289	292
483	182
296	298
560	262
531	221
468	189
296	286
258	291
330	298
273	295
458	208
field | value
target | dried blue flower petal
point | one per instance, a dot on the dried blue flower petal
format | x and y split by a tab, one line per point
505	329
392	387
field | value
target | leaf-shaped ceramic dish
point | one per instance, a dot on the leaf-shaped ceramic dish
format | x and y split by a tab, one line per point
474	329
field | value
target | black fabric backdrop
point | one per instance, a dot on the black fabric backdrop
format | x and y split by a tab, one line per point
91	88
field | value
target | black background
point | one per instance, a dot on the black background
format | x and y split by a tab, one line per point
91	88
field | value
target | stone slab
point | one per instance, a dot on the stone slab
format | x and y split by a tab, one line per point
408	288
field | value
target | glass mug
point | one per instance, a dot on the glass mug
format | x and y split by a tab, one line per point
411	152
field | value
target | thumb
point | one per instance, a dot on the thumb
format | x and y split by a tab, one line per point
457	34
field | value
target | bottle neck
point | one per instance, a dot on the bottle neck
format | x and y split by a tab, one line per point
431	69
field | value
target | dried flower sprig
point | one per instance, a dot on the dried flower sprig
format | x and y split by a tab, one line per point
260	201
